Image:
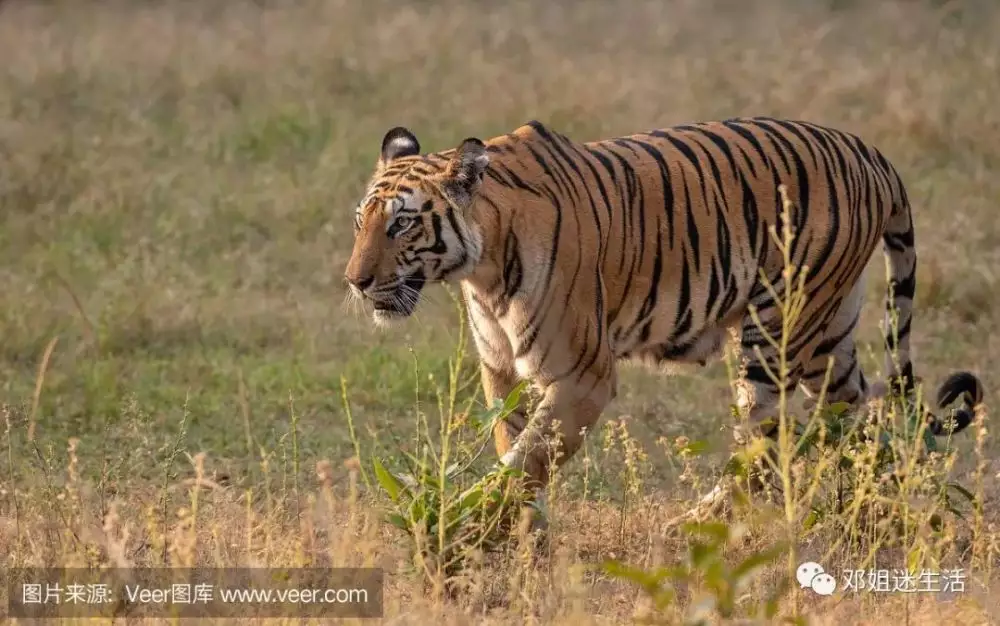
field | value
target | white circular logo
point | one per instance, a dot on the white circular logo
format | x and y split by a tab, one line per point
812	575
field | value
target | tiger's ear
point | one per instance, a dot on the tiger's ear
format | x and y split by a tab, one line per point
466	170
398	142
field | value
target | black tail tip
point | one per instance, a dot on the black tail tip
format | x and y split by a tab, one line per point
960	420
960	384
965	384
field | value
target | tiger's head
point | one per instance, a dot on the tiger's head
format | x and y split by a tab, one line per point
413	227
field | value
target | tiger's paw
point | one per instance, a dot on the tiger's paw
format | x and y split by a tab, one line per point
539	512
534	526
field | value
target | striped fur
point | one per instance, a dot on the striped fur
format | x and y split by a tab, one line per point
576	256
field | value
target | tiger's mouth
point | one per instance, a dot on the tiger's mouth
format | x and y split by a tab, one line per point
399	301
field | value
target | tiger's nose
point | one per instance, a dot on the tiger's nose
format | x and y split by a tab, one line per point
361	283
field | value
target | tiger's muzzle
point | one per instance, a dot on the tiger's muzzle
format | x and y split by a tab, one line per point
397	299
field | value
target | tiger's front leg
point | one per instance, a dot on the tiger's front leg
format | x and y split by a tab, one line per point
570	405
498	382
555	431
569	362
499	378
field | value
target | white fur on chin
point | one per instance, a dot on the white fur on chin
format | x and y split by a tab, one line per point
384	319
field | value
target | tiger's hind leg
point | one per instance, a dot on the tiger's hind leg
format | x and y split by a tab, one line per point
758	398
847	382
842	381
806	358
758	394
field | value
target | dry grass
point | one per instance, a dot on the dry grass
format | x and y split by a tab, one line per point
176	181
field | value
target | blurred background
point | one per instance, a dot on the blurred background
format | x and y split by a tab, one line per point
177	181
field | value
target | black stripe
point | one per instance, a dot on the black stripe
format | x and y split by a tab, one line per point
649	304
683	319
668	195
513	272
829	343
439	246
713	292
751	215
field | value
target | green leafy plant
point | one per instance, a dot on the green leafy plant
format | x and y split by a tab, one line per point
434	498
448	520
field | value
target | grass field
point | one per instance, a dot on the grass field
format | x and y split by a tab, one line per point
177	182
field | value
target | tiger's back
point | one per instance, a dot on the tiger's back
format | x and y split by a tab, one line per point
678	222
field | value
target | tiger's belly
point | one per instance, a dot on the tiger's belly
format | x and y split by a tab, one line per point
704	347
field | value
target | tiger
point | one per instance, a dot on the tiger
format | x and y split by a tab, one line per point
574	258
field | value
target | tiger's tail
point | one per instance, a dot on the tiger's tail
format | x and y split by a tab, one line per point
901	257
970	388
